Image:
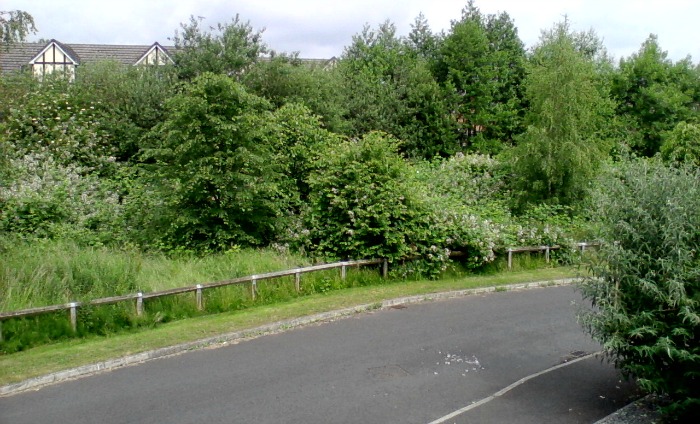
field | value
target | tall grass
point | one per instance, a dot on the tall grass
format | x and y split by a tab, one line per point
57	272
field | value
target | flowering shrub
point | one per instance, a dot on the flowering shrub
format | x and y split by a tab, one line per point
50	120
362	204
47	200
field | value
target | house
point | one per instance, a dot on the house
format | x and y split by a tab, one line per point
54	56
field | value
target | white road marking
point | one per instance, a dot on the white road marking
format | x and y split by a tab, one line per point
509	388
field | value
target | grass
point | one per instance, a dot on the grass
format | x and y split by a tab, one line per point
76	352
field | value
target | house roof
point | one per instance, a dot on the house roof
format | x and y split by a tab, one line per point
20	54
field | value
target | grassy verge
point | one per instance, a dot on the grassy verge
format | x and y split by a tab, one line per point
73	353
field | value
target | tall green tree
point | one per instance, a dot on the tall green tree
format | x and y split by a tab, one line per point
388	87
508	61
653	94
286	79
422	39
222	182
481	65
227	48
562	147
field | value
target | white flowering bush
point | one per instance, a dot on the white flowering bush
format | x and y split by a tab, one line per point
45	199
50	119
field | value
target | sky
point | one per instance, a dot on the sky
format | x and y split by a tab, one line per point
321	29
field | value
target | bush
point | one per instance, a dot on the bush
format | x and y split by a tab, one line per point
220	175
682	144
645	284
45	199
363	205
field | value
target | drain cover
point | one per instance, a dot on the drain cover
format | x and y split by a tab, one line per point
388	371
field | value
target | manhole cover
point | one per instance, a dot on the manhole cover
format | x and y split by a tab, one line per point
388	371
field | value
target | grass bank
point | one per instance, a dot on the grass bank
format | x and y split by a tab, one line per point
90	349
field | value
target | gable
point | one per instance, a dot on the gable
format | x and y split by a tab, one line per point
156	55
54	58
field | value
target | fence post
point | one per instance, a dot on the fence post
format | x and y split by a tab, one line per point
139	303
546	253
343	272
510	258
385	268
198	296
297	280
74	316
0	331
254	286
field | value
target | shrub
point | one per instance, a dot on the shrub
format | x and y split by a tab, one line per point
645	284
220	176
45	199
363	205
682	144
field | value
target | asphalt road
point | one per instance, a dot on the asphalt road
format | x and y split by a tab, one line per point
414	364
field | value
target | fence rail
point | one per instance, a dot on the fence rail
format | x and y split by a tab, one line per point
252	279
546	249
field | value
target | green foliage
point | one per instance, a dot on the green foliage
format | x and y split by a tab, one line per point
361	205
44	199
15	25
221	180
645	285
284	79
682	144
129	100
562	147
302	141
481	64
387	87
50	118
227	48
654	94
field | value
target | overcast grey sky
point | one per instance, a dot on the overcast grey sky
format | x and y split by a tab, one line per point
321	29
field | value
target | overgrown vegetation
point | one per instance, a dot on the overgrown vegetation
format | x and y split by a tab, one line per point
646	285
410	146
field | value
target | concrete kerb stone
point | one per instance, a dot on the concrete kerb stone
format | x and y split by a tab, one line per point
234	337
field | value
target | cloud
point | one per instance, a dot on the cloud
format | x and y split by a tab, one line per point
322	28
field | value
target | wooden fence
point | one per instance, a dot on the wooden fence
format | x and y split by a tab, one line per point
546	249
72	307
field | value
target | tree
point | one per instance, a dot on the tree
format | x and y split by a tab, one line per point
645	282
15	25
130	100
388	88
422	40
561	148
227	48
508	62
481	65
682	145
285	79
653	94
222	181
